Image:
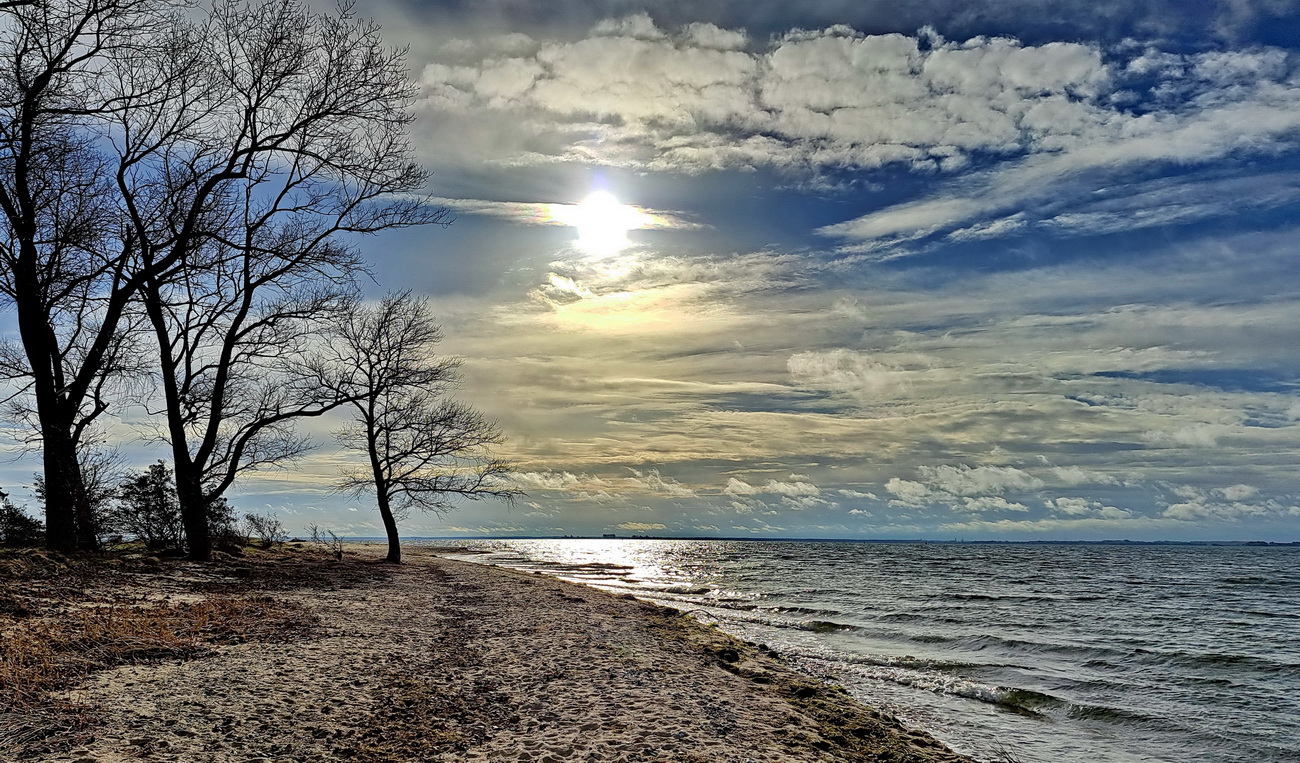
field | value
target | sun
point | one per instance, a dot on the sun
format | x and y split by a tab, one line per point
602	222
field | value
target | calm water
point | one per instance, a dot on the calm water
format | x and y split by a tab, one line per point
1059	653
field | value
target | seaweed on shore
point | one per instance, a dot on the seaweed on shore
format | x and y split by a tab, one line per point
844	728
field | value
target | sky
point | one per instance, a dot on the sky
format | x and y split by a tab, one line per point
980	269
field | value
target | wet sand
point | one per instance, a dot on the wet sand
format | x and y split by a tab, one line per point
450	661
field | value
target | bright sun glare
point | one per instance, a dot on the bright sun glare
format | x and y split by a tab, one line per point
602	222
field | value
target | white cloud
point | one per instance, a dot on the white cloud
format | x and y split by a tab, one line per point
550	480
973	488
1238	492
1196	435
854	373
857	494
1077	475
638	26
641	526
909	493
1202	505
792	489
652	481
991	503
694	98
1084	507
702	97
979	480
738	487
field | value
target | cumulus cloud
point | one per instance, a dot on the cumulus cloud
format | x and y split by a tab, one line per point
856	374
553	480
738	487
1084	507
979	480
1077	475
991	503
1229	503
1227	103
792	489
1194	435
795	493
1238	492
973	488
701	97
910	493
849	493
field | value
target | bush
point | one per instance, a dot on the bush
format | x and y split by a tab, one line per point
16	528
147	509
222	528
333	543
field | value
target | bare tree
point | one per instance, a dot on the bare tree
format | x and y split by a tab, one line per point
423	450
193	175
63	267
276	131
267	528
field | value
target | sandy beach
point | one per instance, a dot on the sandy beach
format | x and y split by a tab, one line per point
451	661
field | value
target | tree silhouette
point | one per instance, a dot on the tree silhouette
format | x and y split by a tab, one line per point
147	510
65	270
422	449
192	174
288	130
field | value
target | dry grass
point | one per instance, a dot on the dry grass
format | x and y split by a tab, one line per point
44	656
62	619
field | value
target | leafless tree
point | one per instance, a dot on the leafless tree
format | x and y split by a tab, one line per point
267	528
423	450
333	543
192	173
276	132
63	267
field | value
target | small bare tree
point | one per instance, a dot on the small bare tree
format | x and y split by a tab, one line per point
328	540
422	449
267	528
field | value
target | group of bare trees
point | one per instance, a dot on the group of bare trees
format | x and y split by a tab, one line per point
180	195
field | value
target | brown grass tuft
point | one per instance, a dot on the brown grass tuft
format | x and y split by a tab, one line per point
40	657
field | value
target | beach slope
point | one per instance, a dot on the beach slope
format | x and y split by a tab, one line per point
448	660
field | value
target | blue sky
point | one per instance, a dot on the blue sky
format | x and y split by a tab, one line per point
1007	270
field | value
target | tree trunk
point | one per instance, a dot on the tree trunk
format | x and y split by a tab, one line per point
61	475
189	483
390	527
69	523
194	509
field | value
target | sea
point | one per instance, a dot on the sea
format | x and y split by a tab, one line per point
1060	653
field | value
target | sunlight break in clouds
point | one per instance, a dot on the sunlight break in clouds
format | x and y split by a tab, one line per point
602	222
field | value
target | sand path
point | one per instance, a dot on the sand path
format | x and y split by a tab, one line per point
451	661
